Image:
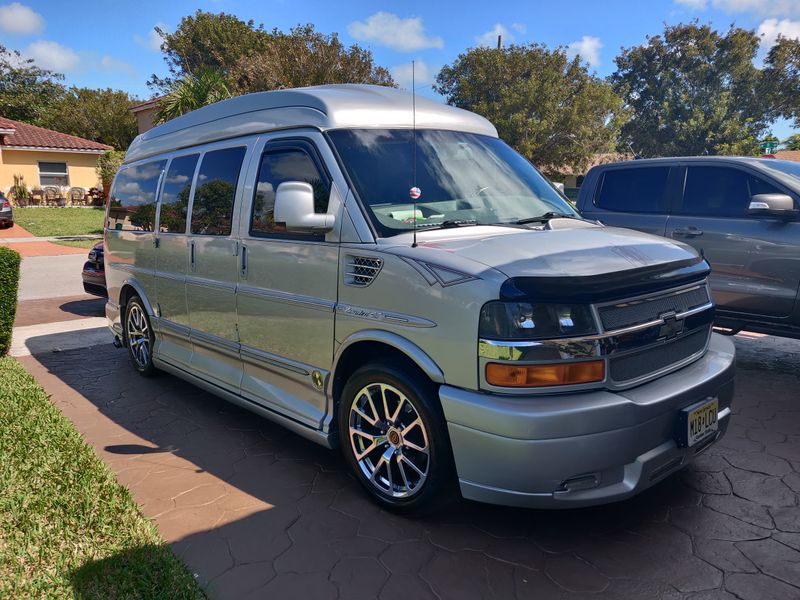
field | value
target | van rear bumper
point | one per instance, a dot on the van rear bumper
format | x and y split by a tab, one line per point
573	450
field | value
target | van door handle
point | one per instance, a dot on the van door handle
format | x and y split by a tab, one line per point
687	232
244	262
191	255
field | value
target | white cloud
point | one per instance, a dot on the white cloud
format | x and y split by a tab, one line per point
519	28
402	74
387	29
588	48
19	19
490	37
770	29
52	56
152	41
776	8
109	63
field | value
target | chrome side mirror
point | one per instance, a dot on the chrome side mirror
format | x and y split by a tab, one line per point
294	206
775	205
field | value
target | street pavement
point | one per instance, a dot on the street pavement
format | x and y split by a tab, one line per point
257	512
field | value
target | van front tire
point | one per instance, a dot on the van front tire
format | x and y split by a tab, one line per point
139	337
394	438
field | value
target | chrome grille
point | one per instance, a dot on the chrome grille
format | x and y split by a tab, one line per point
635	312
645	362
361	270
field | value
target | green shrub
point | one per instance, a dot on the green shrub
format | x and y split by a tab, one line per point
9	281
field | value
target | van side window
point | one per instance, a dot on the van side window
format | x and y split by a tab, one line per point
132	206
634	189
277	166
175	194
215	191
716	192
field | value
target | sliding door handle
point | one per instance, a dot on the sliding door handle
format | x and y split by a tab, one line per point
192	263
244	262
687	232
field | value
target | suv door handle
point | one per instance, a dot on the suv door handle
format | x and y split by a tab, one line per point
687	232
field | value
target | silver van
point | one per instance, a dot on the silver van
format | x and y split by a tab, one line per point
404	285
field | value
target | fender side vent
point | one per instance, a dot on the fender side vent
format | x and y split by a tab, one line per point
361	270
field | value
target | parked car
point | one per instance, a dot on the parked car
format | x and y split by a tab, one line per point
741	214
94	274
423	298
6	212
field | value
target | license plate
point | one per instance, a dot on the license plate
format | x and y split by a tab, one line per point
698	422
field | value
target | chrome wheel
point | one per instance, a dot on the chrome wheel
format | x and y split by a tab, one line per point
137	331
389	440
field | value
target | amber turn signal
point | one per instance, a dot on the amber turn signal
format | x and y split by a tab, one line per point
505	375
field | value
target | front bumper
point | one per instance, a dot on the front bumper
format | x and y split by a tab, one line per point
519	451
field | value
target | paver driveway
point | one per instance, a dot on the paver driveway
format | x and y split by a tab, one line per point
258	512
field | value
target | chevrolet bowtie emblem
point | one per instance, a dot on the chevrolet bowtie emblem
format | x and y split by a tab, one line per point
671	328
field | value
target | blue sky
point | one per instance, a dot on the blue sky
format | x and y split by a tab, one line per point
111	43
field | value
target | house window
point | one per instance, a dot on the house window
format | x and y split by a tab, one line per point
53	173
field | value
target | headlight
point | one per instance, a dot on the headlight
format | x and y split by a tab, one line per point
527	321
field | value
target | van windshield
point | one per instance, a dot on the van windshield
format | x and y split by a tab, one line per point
464	178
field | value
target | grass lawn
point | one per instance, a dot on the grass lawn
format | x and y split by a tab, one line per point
67	528
60	221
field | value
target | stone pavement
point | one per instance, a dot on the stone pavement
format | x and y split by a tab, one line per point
257	512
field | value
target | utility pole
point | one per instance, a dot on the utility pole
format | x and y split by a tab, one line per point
499	42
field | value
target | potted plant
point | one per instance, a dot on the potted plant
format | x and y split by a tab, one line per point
107	166
19	191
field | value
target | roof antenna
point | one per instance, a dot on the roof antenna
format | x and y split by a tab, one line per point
415	192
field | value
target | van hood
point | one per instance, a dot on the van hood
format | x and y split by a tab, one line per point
592	262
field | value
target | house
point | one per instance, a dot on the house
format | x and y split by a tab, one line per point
792	155
145	114
46	158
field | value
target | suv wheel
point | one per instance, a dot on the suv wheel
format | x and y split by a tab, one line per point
393	437
139	336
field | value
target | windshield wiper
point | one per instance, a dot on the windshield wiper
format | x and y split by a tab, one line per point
545	217
448	224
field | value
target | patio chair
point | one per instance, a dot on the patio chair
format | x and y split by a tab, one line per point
77	196
37	196
51	195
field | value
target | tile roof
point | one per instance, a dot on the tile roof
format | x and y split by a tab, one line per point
30	136
792	155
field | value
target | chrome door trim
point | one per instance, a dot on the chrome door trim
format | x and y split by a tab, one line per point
287	298
171	328
215	343
262	359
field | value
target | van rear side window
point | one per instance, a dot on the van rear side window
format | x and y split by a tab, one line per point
637	189
212	208
133	198
175	194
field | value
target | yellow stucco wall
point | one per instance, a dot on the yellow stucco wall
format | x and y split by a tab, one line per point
80	167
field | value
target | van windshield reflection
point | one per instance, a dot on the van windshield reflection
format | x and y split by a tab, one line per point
463	179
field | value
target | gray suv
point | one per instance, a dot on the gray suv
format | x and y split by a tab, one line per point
420	296
740	214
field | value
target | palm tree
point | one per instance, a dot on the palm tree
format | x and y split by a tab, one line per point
193	91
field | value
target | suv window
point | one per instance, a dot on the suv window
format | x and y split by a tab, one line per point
277	166
132	206
634	189
175	194
717	191
212	208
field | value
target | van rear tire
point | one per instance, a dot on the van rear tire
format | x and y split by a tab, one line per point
394	438
138	336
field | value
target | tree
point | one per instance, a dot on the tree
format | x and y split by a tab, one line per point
783	75
792	142
305	57
100	115
206	41
546	106
26	91
192	92
694	91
